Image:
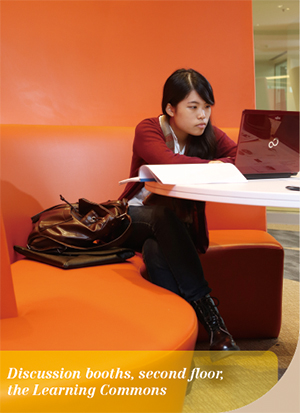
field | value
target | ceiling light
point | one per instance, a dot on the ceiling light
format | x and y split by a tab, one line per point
277	77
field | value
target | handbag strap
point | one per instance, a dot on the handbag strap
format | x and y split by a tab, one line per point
115	242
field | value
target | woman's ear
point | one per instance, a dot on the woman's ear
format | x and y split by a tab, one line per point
170	109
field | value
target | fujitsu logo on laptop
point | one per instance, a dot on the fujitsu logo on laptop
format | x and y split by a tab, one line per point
273	143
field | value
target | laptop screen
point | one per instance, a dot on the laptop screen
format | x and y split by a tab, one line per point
268	144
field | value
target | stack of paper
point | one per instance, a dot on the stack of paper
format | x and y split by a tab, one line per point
189	174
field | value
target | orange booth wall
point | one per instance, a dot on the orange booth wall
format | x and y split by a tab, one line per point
104	62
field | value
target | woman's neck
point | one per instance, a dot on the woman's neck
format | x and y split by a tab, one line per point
180	135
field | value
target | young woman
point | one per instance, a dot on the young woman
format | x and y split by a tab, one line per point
168	235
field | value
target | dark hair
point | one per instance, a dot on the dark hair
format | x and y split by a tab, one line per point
177	87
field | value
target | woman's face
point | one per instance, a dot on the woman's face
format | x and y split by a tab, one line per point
190	116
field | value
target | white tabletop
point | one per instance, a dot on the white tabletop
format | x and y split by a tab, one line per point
264	192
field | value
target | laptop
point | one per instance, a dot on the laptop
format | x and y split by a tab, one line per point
268	144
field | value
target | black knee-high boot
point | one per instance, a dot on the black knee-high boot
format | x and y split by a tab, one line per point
209	316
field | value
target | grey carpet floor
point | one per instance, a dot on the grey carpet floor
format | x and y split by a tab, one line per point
290	242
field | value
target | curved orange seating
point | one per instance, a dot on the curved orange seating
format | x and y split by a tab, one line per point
113	307
98	308
245	271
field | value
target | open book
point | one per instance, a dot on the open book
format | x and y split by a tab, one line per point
188	174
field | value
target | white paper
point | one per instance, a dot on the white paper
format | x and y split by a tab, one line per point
189	174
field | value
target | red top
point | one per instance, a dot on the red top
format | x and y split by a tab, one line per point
149	147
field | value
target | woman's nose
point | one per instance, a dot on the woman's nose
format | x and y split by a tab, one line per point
201	114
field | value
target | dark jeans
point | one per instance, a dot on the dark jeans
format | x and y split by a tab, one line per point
170	256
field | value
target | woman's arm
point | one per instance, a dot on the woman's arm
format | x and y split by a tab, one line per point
226	147
150	145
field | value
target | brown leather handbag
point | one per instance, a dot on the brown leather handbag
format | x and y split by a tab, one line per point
84	226
79	235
